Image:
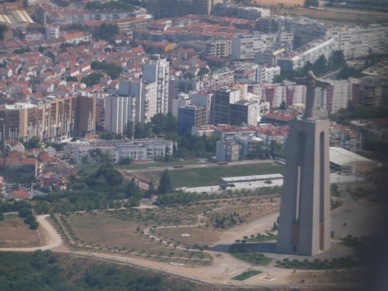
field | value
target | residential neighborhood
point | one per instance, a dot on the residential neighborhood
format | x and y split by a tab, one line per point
162	134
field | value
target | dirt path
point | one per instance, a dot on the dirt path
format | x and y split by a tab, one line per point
49	236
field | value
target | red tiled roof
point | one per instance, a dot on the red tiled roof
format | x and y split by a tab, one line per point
20	194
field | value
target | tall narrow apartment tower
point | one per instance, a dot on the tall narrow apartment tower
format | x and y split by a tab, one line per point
304	222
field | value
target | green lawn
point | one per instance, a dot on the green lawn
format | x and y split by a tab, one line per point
263	238
246	275
246	253
155	165
207	176
204	176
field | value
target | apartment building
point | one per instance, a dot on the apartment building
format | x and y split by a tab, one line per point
305	30
276	94
156	70
307	53
220	106
53	119
227	151
358	42
230	10
334	96
172	8
119	111
221	48
247	45
85	115
181	100
137	149
244	112
191	115
178	85
344	137
373	91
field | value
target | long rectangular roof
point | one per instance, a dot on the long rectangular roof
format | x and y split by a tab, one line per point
342	157
252	178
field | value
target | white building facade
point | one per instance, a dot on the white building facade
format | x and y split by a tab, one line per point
119	110
157	70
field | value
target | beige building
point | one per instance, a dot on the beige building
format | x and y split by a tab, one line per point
52	119
85	115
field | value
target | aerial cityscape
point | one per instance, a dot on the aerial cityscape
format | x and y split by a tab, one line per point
193	145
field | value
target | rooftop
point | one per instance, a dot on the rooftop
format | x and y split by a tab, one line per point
344	157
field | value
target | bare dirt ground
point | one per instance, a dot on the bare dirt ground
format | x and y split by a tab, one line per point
14	232
49	237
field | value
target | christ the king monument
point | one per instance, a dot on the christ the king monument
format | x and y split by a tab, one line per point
304	222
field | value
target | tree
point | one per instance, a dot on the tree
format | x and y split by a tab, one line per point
32	143
320	65
125	161
203	71
111	69
133	189
167	155
259	151
106	31
337	59
1	216
162	124
151	188
3	29
165	185
92	79
141	131
114	178
128	130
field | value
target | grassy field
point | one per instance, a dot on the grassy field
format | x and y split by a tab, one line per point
246	275
164	233
90	168
207	176
15	233
263	238
197	235
110	233
204	176
156	165
246	253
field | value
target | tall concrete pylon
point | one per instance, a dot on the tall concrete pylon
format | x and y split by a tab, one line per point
304	222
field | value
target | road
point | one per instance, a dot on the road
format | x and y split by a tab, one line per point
355	218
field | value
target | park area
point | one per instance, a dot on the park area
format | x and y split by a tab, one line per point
177	234
109	232
15	233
